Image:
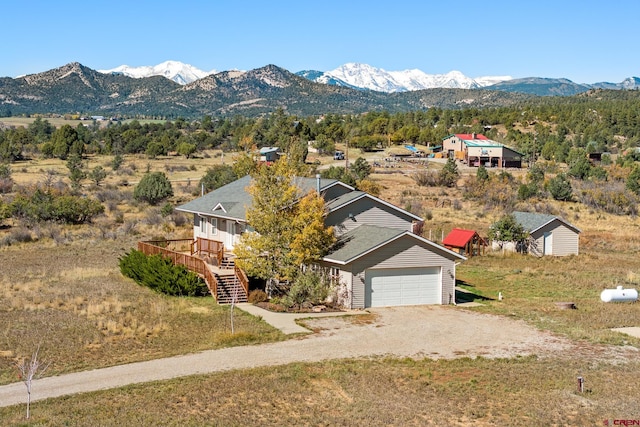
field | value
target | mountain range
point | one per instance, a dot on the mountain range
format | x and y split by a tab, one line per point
75	88
367	77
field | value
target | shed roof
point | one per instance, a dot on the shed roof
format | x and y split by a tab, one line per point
459	237
265	150
531	221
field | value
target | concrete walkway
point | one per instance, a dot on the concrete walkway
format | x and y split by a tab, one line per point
286	322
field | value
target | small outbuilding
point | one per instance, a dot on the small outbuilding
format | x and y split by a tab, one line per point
269	154
465	242
549	234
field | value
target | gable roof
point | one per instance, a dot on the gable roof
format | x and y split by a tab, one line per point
459	237
534	221
232	200
348	198
364	239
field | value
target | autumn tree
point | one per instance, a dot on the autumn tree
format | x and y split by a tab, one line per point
288	230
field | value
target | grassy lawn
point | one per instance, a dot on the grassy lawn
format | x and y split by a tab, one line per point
514	392
72	301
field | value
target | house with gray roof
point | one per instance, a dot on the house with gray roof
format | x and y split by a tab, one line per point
378	260
549	234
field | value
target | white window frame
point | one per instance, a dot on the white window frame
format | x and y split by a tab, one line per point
214	226
334	275
203	225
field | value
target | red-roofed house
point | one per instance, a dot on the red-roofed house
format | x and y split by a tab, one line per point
475	149
465	242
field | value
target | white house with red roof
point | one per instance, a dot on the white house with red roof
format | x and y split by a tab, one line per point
475	149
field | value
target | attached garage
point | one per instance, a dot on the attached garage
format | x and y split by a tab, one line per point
406	286
385	267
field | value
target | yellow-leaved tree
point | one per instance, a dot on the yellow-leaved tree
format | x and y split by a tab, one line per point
286	227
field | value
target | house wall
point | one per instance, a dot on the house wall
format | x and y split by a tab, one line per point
218	230
452	143
367	211
564	240
345	279
403	253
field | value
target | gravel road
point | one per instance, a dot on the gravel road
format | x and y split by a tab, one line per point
418	332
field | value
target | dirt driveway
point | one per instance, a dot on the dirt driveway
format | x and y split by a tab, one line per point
418	332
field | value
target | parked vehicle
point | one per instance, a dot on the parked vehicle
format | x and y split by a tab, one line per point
338	155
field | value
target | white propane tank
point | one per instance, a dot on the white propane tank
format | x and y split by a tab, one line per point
619	294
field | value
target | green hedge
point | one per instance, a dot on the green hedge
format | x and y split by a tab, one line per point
161	275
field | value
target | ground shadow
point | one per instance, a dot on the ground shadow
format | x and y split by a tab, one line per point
468	295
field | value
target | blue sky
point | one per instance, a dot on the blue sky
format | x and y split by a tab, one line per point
587	41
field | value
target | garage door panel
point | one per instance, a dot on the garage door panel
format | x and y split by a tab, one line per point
407	286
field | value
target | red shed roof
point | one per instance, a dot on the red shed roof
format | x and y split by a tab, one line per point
458	237
470	136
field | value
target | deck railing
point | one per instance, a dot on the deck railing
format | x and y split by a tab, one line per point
191	262
242	277
209	247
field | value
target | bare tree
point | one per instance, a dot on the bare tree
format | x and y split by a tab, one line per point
30	370
234	300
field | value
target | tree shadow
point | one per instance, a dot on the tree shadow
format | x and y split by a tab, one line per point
465	295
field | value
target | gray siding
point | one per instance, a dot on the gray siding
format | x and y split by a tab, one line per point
367	211
403	253
564	241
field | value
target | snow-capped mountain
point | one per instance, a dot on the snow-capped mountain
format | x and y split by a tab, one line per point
367	77
173	70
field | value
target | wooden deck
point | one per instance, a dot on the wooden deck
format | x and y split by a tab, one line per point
206	258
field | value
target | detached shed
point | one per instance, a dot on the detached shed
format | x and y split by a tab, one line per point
550	235
269	154
465	242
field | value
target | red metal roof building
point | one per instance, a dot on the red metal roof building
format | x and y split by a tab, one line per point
465	242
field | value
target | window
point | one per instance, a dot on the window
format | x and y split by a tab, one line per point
214	225
334	275
203	225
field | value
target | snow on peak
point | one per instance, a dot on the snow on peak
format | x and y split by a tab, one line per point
173	70
368	77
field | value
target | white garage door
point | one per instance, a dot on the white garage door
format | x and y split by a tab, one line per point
402	286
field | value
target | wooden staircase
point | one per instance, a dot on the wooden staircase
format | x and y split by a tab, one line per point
226	282
229	287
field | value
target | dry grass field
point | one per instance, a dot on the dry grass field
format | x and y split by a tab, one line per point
65	293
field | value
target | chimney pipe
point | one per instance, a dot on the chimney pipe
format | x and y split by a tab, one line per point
318	183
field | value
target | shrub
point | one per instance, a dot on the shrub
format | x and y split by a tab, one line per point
257	295
308	287
48	206
425	178
161	275
166	210
153	188
560	188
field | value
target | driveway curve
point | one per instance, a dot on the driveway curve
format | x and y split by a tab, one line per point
416	332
